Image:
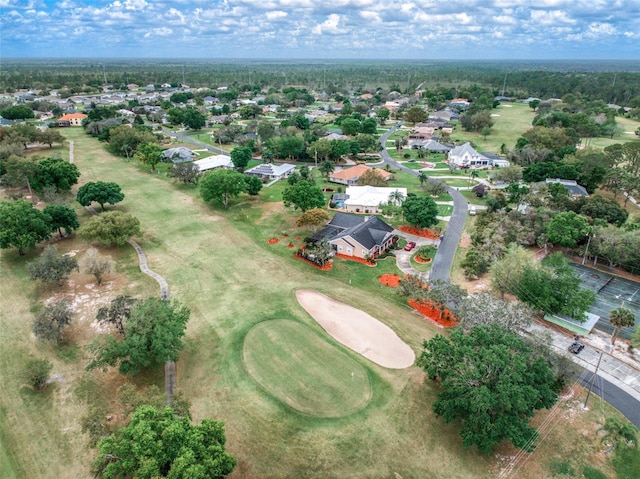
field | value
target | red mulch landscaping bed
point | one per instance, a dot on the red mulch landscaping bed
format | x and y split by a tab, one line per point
391	280
432	311
291	245
419	260
326	267
424	233
356	259
273	241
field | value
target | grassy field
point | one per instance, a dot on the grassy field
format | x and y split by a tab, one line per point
243	315
512	121
321	380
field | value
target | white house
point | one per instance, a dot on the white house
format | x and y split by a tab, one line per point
271	171
465	156
367	199
214	162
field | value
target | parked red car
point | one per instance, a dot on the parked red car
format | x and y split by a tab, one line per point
410	246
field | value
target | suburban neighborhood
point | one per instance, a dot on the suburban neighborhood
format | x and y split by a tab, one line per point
287	279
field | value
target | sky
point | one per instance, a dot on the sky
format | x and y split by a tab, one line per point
316	29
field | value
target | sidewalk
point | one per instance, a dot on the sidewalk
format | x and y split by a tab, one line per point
624	374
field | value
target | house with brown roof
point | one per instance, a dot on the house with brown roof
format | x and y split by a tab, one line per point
71	119
350	176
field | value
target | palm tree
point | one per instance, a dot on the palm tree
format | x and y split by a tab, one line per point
473	174
423	177
326	168
617	432
620	318
396	196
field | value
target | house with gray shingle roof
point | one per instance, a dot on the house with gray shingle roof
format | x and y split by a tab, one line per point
357	236
465	156
572	185
177	155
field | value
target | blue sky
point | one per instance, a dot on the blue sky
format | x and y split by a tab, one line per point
358	29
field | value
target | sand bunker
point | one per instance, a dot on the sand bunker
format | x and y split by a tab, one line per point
357	330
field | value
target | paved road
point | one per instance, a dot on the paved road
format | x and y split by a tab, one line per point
443	260
193	141
609	392
625	398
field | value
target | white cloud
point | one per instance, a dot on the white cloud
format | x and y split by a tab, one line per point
159	32
330	26
550	17
357	28
135	4
597	30
274	15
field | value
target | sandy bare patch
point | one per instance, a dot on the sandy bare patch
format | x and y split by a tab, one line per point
269	209
465	240
357	330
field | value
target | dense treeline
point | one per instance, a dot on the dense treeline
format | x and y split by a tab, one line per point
616	82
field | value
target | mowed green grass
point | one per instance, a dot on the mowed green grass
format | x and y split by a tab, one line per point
219	265
513	120
320	380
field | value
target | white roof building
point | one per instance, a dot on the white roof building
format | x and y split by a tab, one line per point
213	162
271	171
367	199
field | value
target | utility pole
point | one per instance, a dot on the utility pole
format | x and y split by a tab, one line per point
593	378
586	250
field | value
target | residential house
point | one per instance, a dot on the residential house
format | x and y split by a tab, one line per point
214	162
358	236
447	128
495	160
335	136
574	188
350	176
459	104
271	171
71	119
177	155
446	115
465	156
367	199
431	145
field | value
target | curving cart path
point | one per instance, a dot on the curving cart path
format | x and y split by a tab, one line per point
169	366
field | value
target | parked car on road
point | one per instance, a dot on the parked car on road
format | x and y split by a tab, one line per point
576	347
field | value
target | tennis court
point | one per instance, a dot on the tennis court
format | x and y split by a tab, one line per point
611	292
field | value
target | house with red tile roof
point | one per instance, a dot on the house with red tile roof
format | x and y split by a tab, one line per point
350	176
71	119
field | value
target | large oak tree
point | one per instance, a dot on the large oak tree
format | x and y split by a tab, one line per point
22	225
157	443
101	192
491	383
222	185
153	334
420	211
